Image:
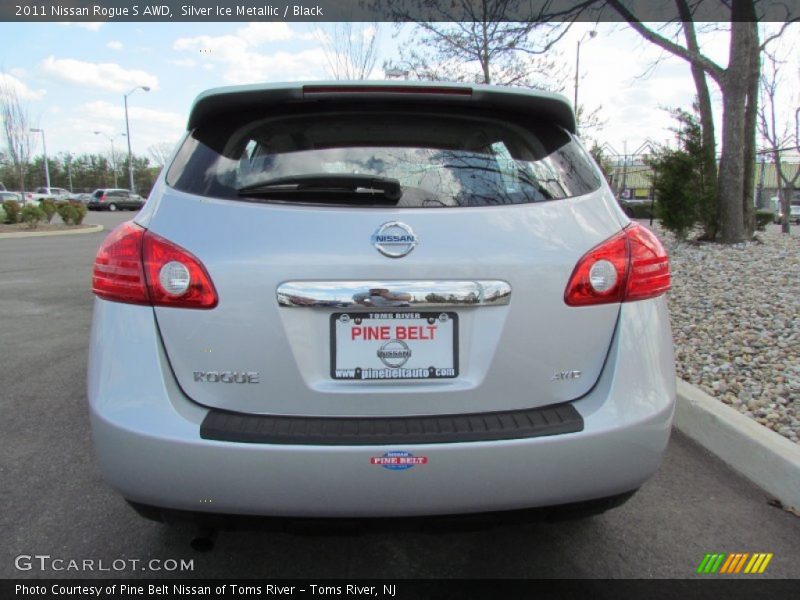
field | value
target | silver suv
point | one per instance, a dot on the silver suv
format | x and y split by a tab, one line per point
367	300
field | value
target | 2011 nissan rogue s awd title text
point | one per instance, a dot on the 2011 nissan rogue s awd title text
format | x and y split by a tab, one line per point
379	300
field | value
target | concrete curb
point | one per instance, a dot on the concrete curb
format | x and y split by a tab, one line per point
767	459
25	234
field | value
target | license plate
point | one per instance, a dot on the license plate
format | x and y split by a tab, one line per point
394	345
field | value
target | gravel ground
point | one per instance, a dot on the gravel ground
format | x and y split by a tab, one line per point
735	314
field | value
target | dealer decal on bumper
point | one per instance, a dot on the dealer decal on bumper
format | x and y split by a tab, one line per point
398	460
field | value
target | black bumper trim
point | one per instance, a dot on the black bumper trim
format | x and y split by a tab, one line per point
225	426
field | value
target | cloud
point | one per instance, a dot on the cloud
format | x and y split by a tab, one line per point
89	26
256	34
17	85
106	111
241	55
105	76
147	127
114	45
186	63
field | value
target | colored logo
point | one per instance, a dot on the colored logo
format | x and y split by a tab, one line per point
745	563
398	460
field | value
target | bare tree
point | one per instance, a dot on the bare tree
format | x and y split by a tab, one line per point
487	46
774	127
351	49
591	123
704	107
738	105
16	126
160	153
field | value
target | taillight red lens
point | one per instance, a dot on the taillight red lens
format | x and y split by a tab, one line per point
632	265
118	273
649	274
128	268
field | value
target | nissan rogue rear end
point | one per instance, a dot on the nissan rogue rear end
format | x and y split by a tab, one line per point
374	299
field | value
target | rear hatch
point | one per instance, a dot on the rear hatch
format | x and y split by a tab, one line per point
380	256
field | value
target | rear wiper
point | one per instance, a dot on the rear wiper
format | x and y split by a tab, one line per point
326	183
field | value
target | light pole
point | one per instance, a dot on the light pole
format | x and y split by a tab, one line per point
44	151
113	154
797	128
591	34
128	134
69	170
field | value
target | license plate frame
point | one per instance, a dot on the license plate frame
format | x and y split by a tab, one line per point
386	372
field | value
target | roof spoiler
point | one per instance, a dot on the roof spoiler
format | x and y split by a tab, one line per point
226	100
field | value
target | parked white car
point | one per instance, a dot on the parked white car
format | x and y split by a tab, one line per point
47	192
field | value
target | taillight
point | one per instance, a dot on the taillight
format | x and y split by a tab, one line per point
118	271
139	267
632	265
175	277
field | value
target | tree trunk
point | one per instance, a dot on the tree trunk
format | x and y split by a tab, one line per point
20	169
734	87
704	107
750	116
730	181
784	193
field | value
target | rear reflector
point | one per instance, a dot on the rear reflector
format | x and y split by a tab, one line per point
631	265
136	266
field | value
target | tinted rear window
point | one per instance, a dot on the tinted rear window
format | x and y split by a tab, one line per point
440	160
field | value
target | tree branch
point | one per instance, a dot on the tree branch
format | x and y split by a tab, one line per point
713	69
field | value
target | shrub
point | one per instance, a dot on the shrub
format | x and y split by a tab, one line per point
12	211
32	215
676	197
49	208
80	211
764	218
685	192
67	212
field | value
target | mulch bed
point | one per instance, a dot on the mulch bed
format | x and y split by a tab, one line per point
23	227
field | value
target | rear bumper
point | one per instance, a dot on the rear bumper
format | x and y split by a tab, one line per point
148	443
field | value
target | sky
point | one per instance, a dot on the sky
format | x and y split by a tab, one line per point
73	76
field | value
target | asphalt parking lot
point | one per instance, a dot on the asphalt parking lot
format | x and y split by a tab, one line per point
55	503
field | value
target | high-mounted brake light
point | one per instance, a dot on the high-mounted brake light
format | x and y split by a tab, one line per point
386	89
632	265
136	266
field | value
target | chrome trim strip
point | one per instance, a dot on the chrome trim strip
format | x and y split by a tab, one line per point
393	294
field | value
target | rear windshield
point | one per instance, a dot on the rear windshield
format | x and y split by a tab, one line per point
439	160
